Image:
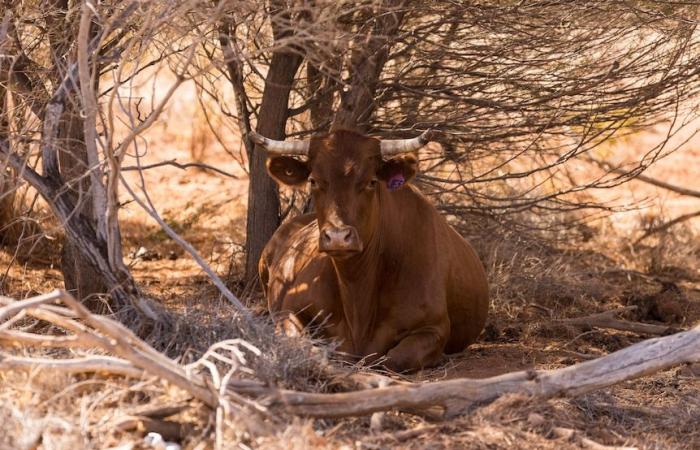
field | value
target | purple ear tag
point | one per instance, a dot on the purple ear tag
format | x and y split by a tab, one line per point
395	182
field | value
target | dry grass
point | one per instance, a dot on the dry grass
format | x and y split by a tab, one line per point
533	281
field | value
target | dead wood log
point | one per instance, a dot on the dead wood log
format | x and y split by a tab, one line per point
104	333
134	357
455	397
159	411
606	319
459	396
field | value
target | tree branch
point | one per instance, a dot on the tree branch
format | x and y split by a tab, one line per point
174	163
606	319
459	396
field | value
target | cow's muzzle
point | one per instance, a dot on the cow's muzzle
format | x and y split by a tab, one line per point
340	241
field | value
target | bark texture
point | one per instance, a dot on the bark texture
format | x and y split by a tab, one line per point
263	196
80	278
366	65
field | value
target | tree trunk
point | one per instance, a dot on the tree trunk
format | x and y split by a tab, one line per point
263	196
8	186
8	213
366	65
263	199
80	278
321	87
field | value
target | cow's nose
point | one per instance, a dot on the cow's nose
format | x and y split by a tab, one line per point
340	240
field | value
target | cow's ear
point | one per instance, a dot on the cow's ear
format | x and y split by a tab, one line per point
398	171
287	170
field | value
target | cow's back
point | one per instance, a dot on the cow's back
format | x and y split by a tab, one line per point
467	294
277	245
466	289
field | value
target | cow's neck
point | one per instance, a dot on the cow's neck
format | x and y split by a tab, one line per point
358	289
359	283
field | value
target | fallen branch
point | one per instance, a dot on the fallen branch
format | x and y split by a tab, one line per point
150	209
658	183
454	397
94	364
459	396
606	319
17	306
159	411
96	331
637	175
662	184
169	430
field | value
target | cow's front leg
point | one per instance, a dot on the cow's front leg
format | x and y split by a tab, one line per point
288	324
416	351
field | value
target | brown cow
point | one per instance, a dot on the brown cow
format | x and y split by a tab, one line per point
376	265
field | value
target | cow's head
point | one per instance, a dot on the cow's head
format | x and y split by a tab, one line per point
347	173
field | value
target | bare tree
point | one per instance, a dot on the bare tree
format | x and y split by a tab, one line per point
520	92
70	71
63	48
367	58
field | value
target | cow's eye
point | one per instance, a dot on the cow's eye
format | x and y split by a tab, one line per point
372	183
312	182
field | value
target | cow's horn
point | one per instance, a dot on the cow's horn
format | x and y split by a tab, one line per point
391	147
289	148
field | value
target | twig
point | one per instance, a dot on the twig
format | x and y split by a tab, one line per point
667	225
459	396
173	162
606	319
226	292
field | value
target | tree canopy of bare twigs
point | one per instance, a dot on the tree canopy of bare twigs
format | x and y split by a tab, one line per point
520	91
517	91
